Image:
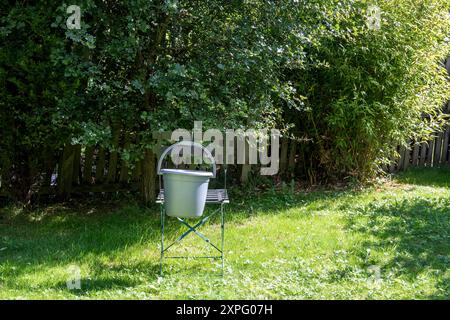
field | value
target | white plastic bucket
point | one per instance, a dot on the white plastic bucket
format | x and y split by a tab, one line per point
185	192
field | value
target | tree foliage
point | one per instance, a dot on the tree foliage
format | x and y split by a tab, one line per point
369	90
314	68
29	87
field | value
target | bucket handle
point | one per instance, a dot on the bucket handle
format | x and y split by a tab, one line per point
187	143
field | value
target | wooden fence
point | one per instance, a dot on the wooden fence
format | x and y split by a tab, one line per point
95	169
85	169
433	153
82	169
88	169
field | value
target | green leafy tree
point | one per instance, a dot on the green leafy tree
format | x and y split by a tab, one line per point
30	84
142	66
369	89
316	68
160	65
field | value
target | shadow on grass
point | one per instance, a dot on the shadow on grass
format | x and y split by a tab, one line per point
418	229
115	278
80	234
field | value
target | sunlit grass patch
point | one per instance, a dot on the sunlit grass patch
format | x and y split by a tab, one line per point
390	241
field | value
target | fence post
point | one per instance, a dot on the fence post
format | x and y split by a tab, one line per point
66	171
445	148
148	176
423	154
407	156
124	164
50	164
438	151
292	155
429	161
415	156
87	170
284	154
76	163
100	165
401	160
246	168
113	156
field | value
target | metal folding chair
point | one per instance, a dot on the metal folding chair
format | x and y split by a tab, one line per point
214	196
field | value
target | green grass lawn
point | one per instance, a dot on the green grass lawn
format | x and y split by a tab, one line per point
391	241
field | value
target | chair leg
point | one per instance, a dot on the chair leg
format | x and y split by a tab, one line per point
162	242
222	227
194	230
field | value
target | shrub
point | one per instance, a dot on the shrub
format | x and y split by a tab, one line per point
367	90
30	84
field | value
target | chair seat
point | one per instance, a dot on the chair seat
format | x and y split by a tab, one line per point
213	196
